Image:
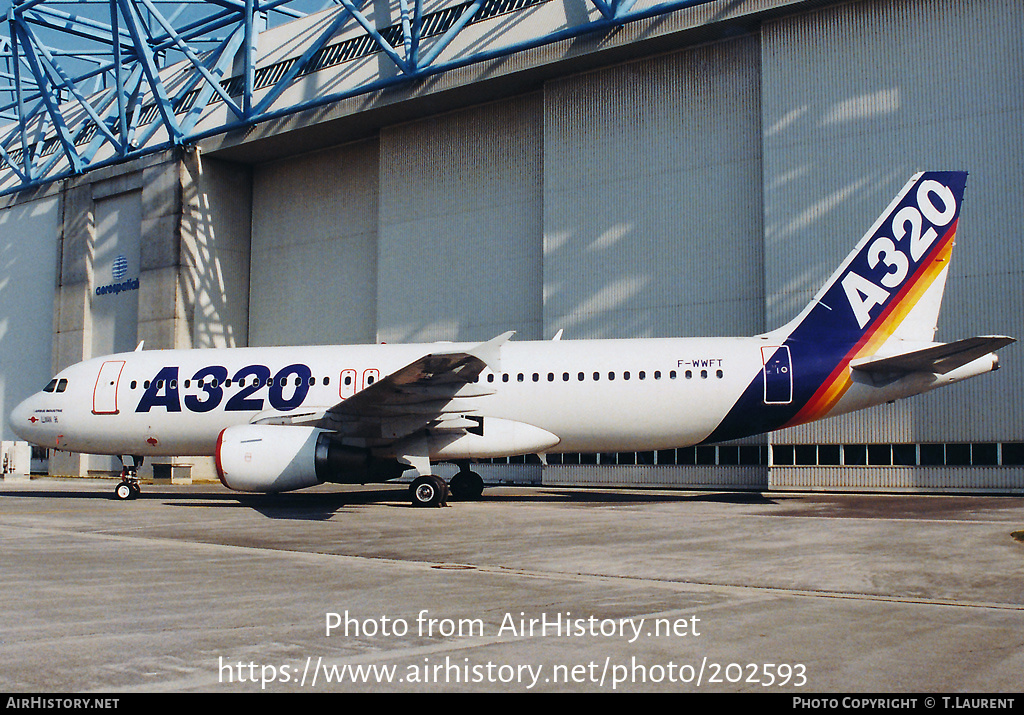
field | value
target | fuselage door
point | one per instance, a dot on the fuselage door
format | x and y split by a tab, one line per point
778	375
104	395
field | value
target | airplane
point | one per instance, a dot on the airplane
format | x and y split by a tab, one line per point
282	418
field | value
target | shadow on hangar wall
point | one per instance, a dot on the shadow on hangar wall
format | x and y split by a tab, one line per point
92	83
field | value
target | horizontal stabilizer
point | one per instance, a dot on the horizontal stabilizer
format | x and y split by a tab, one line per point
938	359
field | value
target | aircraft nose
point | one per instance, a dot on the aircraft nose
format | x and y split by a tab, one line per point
23	420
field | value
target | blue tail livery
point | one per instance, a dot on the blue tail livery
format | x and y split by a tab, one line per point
883	300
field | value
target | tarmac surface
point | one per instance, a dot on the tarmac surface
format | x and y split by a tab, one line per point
530	589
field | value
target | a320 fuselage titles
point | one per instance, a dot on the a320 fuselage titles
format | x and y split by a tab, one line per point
283	418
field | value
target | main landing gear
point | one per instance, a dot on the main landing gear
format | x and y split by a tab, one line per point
128	487
466	485
431	490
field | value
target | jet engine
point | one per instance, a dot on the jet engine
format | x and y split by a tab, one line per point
277	458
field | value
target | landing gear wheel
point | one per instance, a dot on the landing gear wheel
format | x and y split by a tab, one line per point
467	486
429	490
129	487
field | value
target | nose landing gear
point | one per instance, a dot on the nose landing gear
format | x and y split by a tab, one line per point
128	487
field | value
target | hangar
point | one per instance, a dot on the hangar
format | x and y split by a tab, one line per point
228	173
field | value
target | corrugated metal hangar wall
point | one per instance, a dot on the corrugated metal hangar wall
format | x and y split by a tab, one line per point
707	189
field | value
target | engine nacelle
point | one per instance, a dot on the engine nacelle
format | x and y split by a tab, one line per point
276	458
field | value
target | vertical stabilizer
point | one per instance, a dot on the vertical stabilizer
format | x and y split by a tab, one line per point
888	290
891	285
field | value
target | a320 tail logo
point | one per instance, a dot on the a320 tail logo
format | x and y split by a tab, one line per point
914	229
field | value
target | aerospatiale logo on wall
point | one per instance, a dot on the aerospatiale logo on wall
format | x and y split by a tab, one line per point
118	272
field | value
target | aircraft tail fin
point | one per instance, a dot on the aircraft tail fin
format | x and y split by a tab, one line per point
873	322
884	299
891	284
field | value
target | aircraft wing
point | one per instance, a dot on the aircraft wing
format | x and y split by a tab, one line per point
938	359
435	390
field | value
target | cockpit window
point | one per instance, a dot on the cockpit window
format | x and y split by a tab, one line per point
56	385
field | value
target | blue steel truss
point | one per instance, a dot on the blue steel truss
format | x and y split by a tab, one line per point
83	85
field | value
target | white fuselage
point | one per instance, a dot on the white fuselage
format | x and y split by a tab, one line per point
595	395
